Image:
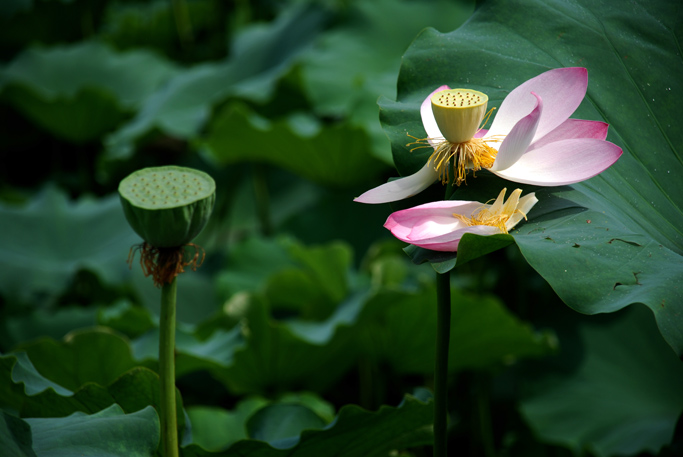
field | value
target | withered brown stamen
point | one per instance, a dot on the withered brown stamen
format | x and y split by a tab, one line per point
164	264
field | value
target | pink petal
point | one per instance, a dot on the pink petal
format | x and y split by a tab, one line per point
433	226
563	162
518	140
561	89
450	241
439	222
430	219
401	188
428	120
571	129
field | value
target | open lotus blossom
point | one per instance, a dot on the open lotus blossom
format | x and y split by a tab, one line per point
439	226
531	140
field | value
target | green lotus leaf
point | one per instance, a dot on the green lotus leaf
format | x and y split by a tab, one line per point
15	436
484	334
260	55
342	76
617	239
354	432
109	432
93	355
50	238
215	428
621	396
81	105
34	393
336	155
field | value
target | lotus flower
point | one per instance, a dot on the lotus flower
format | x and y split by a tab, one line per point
439	226
531	140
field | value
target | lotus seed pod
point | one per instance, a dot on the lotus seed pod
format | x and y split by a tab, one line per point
167	206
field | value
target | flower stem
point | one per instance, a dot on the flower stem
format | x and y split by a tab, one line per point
443	329
169	428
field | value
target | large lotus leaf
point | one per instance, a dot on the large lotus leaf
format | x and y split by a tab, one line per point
294	353
335	155
26	391
319	406
484	334
260	55
251	263
328	265
17	369
64	71
52	323
81	91
617	238
98	356
213	353
354	432
259	265
46	241
108	433
15	437
215	428
153	25
279	424
350	65
125	318
623	397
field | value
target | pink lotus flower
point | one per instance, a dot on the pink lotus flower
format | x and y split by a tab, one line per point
439	226
531	140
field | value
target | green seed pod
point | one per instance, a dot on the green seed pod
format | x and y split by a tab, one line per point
167	206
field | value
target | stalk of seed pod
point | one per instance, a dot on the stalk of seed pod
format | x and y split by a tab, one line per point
168	207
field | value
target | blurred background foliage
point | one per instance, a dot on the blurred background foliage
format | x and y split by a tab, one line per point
306	315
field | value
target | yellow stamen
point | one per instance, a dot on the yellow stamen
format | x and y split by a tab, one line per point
497	214
473	154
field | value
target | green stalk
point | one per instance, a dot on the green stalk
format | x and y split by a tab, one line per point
443	329
169	428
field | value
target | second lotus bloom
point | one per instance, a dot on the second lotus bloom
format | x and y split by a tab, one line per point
531	140
439	226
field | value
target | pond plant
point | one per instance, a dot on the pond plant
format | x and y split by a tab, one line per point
168	207
531	140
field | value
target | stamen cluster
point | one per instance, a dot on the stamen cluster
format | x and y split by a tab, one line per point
497	214
164	264
474	154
